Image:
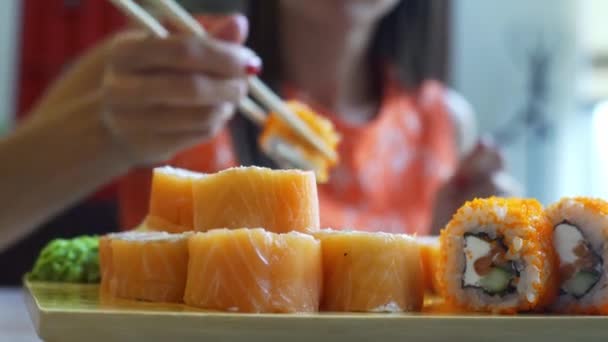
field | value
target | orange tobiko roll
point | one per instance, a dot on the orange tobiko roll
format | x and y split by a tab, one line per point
497	256
580	233
276	200
252	270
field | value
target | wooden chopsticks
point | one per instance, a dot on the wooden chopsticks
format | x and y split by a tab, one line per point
247	107
183	20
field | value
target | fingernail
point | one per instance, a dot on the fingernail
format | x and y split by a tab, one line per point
254	66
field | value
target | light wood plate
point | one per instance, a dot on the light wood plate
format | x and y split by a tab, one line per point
69	312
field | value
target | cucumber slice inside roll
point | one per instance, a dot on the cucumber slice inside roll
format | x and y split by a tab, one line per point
496	281
581	283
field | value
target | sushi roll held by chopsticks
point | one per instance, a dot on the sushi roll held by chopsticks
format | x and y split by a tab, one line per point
278	139
497	256
580	228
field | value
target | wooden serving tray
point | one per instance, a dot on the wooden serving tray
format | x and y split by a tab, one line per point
70	312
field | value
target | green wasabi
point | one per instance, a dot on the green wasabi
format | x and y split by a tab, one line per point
68	260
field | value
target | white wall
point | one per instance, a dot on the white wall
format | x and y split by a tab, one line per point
593	24
9	34
594	41
488	38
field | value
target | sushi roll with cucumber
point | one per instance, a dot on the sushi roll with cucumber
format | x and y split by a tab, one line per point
580	232
497	256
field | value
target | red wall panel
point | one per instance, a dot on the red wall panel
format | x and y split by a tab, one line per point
53	33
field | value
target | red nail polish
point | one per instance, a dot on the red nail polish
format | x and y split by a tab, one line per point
254	67
253	70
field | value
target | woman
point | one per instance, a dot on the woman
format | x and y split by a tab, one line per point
136	101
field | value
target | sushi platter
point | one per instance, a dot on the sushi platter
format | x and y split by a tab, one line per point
74	312
212	261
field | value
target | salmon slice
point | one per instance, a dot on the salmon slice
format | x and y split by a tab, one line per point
252	270
106	265
171	203
276	131
277	200
429	254
146	266
105	262
370	272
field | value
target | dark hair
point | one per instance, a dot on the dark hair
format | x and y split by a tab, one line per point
412	37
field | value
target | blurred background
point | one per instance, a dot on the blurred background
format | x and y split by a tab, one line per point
536	73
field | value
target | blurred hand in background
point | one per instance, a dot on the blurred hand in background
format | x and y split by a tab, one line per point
480	174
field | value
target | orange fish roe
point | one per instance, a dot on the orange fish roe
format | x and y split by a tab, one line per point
524	228
590	217
276	128
596	205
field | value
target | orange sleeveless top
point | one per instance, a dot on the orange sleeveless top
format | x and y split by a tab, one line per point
390	168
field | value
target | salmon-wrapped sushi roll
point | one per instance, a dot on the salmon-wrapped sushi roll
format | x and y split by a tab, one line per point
429	255
280	201
497	255
370	272
252	270
580	231
149	266
105	262
171	200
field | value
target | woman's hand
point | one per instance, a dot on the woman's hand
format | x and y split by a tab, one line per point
162	95
143	96
480	174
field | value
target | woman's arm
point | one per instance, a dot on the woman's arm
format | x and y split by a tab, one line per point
134	101
52	162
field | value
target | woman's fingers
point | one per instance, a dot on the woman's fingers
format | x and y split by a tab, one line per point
202	120
481	189
128	90
161	95
484	159
136	52
231	28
